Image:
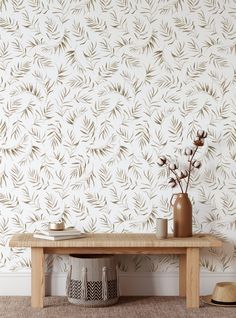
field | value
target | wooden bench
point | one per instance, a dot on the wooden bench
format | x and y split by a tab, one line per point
124	243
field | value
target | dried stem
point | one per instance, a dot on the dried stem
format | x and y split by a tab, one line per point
177	178
189	169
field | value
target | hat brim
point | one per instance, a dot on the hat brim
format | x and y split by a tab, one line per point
207	300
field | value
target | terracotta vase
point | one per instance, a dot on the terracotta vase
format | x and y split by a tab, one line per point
182	218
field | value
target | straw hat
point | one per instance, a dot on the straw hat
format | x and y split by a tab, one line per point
224	294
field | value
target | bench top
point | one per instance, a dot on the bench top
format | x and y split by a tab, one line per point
135	240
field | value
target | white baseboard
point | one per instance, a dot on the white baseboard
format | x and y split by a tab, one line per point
166	284
131	284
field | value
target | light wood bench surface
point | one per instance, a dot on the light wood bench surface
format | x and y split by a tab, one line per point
188	250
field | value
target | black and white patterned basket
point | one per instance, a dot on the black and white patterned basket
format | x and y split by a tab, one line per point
92	280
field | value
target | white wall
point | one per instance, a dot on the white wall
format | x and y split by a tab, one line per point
91	93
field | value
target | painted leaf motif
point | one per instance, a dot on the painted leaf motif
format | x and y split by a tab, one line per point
92	93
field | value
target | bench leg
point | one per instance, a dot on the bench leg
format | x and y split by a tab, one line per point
182	275
37	277
192	277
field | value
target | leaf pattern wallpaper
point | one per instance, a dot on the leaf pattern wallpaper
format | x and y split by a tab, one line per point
91	93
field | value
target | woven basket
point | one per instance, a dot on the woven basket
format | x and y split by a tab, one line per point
92	280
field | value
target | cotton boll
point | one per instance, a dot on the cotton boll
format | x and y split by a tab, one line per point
201	133
161	160
197	164
184	173
188	151
178	173
173	166
172	182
